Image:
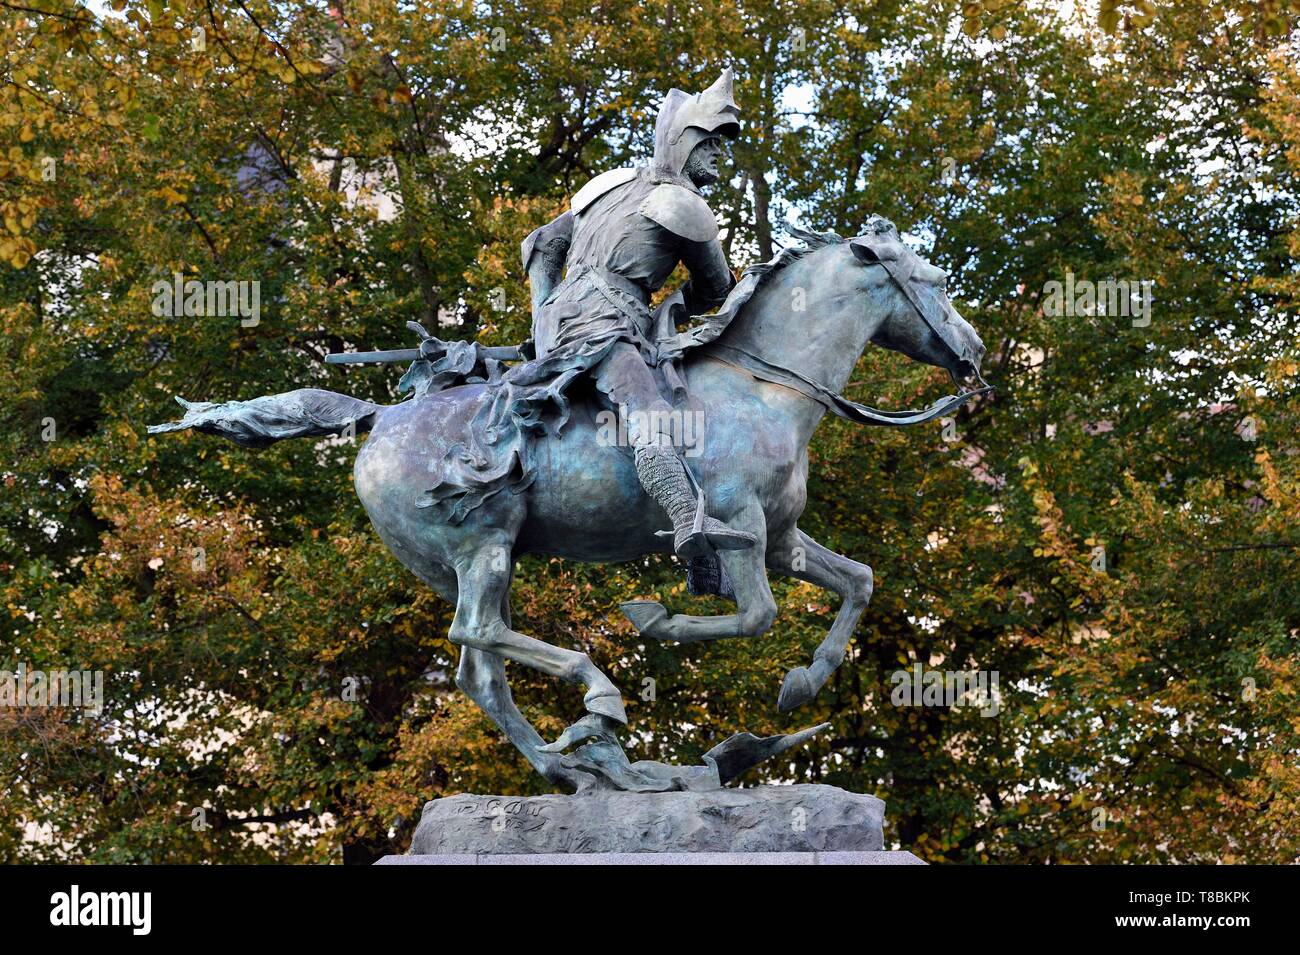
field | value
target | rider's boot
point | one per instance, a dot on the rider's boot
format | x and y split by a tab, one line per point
663	476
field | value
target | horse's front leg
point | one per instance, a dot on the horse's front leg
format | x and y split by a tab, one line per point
801	556
756	608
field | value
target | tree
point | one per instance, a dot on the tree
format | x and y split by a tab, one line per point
1111	533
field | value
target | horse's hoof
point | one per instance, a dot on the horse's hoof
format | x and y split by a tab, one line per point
645	615
566	777
797	690
606	704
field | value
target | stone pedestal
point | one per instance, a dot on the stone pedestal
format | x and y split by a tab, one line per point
895	857
785	820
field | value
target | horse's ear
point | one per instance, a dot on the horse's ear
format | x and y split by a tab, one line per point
871	250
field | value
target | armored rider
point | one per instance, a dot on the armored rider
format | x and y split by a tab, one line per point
625	233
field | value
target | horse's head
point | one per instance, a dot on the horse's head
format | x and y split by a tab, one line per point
921	323
815	308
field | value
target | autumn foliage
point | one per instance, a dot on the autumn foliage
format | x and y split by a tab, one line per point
1115	533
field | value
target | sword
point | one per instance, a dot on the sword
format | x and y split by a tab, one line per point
499	352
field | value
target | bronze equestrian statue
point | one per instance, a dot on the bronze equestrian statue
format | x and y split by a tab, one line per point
489	462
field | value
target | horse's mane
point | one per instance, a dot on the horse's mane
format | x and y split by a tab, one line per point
812	241
758	275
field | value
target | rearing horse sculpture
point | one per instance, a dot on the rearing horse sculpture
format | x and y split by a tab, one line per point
761	390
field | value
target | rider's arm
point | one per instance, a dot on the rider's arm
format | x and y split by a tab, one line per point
544	253
711	278
709	284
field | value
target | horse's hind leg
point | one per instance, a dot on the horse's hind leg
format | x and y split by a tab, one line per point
480	624
801	556
482	677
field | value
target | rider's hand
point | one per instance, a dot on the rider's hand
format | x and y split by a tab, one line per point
671	348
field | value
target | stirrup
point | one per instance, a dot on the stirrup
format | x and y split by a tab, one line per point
696	542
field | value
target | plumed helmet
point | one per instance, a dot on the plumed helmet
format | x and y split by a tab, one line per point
686	118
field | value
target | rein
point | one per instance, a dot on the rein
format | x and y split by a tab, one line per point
833	402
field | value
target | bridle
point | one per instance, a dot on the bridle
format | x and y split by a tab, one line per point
832	401
885	249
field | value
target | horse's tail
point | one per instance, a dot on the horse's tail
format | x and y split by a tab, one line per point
304	413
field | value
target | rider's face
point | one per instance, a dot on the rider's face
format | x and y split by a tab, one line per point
702	164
